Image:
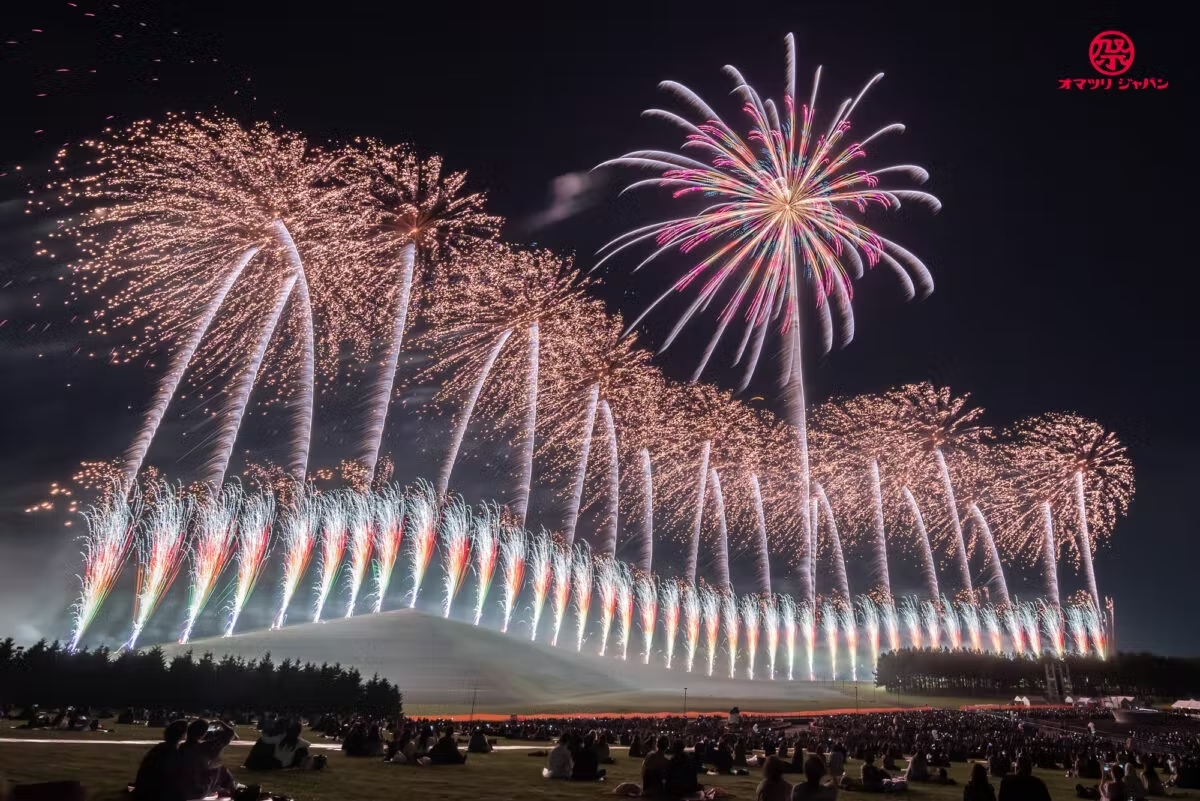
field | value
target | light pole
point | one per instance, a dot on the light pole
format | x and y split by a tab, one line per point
685	702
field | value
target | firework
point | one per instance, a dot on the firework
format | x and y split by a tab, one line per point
1014	624
561	569
625	598
991	622
111	527
486	546
969	615
910	612
710	613
869	613
1033	631
671	609
771	626
850	631
891	622
1078	628
456	550
693	556
255	522
646	593
421	511
931	580
691	618
298	533
464	418
362	535
985	531
951	623
160	552
512	567
388	516
732	626
607	578
806	613
335	534
647	512
581	579
1096	629
541	567
751	610
829	624
1052	625
212	546
787	610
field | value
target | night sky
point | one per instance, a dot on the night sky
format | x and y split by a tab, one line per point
1057	255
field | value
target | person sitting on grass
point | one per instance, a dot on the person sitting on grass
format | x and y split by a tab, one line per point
811	789
773	787
478	743
918	768
159	765
445	751
200	772
560	764
279	748
654	770
681	772
978	788
874	778
587	761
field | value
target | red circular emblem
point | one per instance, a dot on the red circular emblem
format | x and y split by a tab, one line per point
1111	53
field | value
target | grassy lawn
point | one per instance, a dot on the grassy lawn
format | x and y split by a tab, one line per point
105	770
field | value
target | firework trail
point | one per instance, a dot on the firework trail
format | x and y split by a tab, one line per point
1078	626
456	550
1095	627
991	622
771	625
1052	625
581	470
931	615
960	544
951	624
722	532
614	482
581	577
520	504
362	536
607	577
787	610
891	622
691	620
1049	554
388	510
710	614
255	521
671	609
849	628
829	624
334	536
693	555
968	613
298	531
883	578
111	530
1014	623
910	612
839	558
985	531
421	511
512	566
179	364
647	513
541	566
764	556
1033	631
1085	537
808	627
561	569
381	398
464	418
161	545
212	547
646	592
931	580
486	547
869	612
732	625
302	414
751	617
625	590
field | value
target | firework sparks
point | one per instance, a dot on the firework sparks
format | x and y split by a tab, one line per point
298	532
991	622
562	586
808	627
969	615
1052	625
335	534
110	535
710	613
541	567
388	513
1078	627
732	625
581	578
891	622
625	598
910	612
212	546
256	519
487	550
850	631
869	613
456	550
671	608
160	552
646	593
787	610
829	624
771	627
362	537
951	624
751	610
607	577
691	621
931	617
421	511
512	567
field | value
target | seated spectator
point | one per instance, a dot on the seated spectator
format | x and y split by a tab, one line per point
1023	785
200	772
478	743
998	764
722	758
654	770
811	789
873	777
445	751
603	754
560	764
773	787
281	748
1152	781
978	788
159	765
681	772
404	750
918	768
941	777
587	762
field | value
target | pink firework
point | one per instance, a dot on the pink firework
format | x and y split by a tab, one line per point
624	608
1014	623
255	522
691	621
160	548
334	536
486	546
298	531
212	546
422	516
581	578
951	624
710	613
456	550
670	608
607	576
751	617
362	535
561	593
646	590
388	516
729	616
771	628
541	567
512	563
110	536
788	611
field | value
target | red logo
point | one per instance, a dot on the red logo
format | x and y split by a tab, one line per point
1111	53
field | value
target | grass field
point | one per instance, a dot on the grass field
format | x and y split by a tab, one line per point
105	768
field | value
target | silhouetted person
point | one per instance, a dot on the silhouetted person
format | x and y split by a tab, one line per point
1023	785
160	765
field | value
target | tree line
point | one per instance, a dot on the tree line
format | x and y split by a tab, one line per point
51	676
936	672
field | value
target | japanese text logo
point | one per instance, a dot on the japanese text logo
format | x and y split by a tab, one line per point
1111	55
